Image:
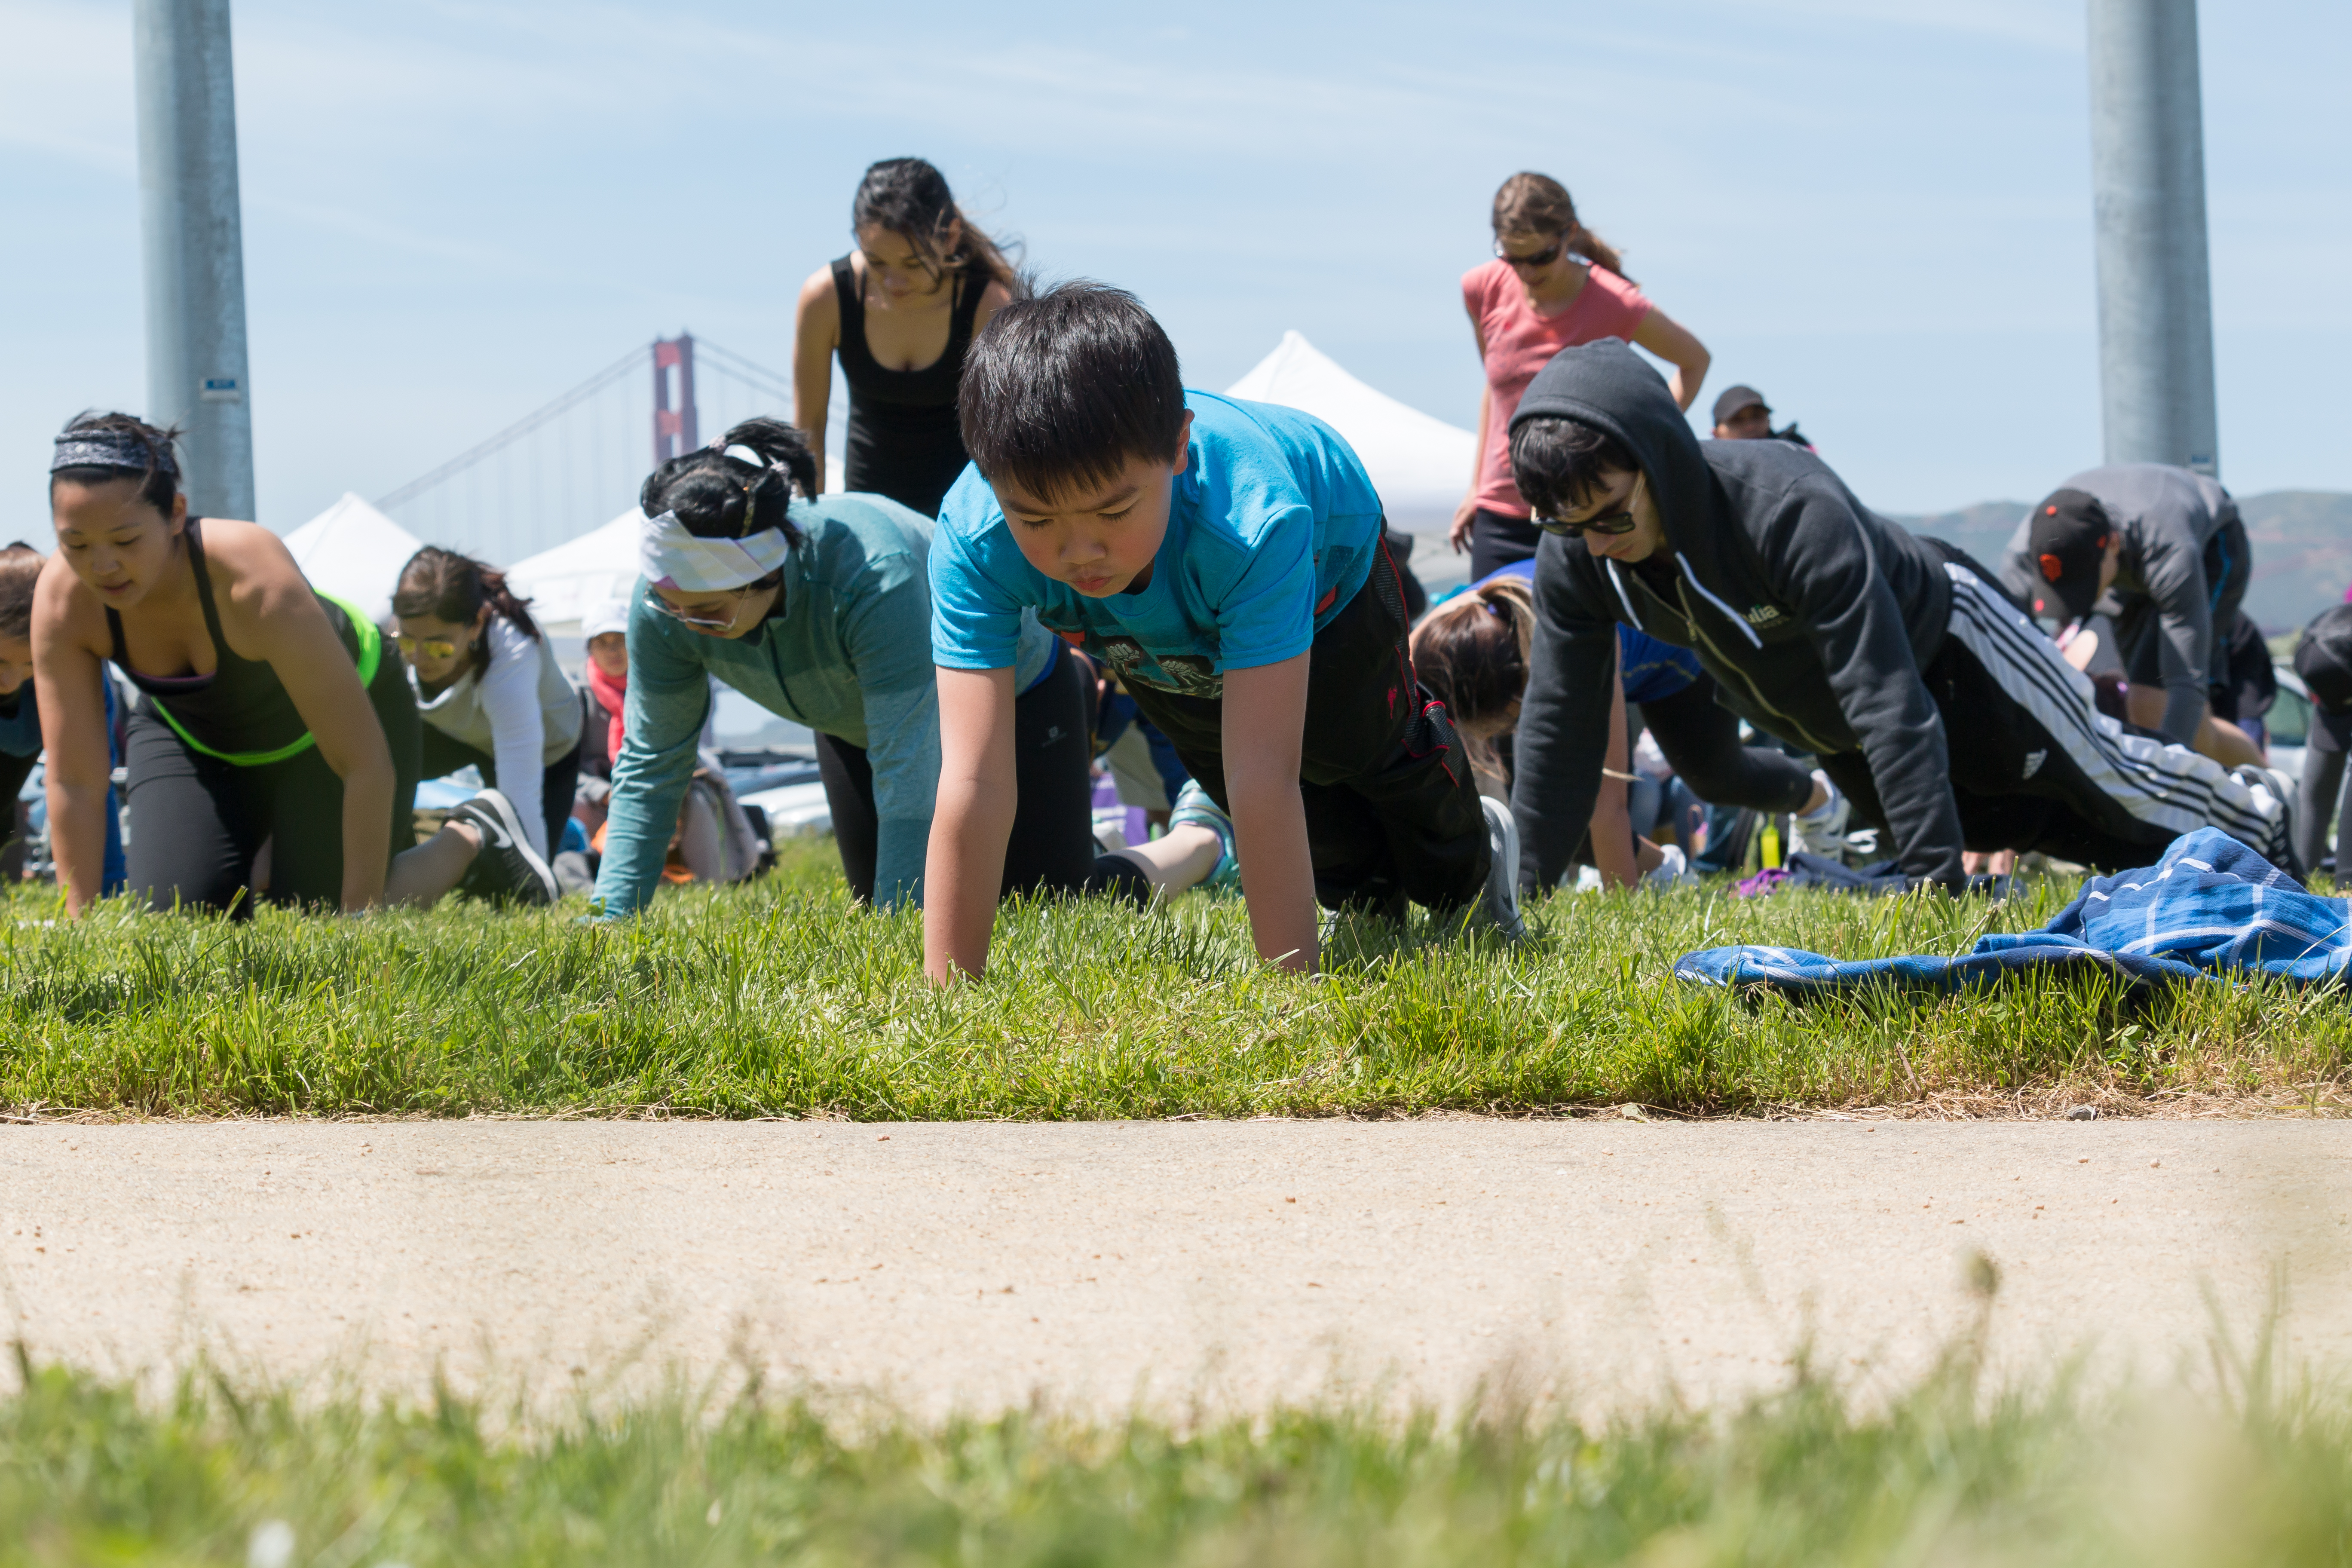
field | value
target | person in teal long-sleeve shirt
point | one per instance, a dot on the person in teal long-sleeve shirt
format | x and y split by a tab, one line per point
819	610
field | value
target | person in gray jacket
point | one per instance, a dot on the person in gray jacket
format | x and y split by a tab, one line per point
2170	545
1930	700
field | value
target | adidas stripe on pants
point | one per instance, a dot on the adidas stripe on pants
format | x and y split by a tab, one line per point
2036	766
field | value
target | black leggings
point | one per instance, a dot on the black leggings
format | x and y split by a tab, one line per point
1497	540
14	771
196	822
1053	845
1701	738
1390	815
444	754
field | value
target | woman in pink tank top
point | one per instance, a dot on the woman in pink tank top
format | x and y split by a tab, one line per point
1553	284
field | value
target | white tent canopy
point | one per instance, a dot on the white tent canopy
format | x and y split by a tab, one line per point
1420	465
567	581
354	551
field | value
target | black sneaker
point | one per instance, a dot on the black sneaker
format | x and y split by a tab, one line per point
508	867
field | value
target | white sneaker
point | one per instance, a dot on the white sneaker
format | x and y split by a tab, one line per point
1822	831
1674	871
1499	902
2282	789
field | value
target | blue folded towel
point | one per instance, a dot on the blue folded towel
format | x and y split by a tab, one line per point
2209	907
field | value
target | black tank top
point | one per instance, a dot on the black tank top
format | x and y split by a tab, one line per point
903	442
242	706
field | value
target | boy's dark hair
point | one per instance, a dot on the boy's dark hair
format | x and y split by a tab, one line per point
1060	390
157	471
1558	463
451	588
20	568
718	497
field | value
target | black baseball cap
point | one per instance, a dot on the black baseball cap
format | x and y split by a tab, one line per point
1736	399
2323	656
2067	537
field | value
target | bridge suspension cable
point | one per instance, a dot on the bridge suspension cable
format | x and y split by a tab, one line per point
576	462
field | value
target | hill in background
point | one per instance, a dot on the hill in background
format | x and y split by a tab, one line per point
2302	547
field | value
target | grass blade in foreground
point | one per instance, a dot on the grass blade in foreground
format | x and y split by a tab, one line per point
1946	1473
781	999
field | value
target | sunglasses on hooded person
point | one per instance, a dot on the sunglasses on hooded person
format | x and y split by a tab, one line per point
1608	524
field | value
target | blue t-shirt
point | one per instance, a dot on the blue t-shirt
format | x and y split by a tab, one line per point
1271	530
1649	669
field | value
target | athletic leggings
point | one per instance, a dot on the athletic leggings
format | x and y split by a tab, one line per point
1053	843
1497	540
1701	738
196	822
444	754
1391	817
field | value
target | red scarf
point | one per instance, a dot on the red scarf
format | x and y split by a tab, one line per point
615	695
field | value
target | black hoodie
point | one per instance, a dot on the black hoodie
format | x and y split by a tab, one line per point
1814	615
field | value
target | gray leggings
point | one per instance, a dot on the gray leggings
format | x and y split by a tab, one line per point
2320	796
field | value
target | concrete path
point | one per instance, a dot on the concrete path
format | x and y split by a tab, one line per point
1230	1263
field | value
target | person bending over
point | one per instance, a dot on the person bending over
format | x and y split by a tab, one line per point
1930	700
817	609
900	311
20	717
1475	649
1201	548
1552	283
2171	546
269	714
489	690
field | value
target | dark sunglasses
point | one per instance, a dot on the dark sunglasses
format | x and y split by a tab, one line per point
1543	257
1609	525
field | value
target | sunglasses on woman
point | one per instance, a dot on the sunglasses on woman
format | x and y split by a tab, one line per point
662	607
435	649
1609	525
1543	257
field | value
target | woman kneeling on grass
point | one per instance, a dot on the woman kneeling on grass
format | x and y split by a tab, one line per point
823	616
489	690
1474	652
270	717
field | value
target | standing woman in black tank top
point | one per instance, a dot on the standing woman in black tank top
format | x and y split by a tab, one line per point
269	714
900	310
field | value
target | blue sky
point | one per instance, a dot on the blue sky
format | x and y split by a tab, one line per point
1877	210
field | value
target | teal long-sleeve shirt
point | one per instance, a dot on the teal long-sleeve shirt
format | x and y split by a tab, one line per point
846	651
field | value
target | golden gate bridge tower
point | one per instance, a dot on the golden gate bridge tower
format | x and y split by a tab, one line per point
576	462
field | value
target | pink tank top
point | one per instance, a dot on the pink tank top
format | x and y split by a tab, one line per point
1520	343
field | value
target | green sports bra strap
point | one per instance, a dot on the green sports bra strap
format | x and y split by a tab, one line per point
366	661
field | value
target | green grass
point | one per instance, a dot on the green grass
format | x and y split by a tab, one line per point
1946	1473
781	999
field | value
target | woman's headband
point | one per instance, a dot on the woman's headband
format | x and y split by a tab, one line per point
110	448
670	557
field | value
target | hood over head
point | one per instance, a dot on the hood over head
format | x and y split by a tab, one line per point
1606	385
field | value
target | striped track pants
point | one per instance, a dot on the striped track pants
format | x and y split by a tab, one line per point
2124	789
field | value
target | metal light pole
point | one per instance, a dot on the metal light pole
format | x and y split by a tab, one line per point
2147	179
194	246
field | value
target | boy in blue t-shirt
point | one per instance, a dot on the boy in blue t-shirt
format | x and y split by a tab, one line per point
1225	560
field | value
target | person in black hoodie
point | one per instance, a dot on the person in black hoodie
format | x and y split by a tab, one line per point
1930	700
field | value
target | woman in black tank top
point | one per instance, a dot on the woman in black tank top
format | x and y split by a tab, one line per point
900	311
309	749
